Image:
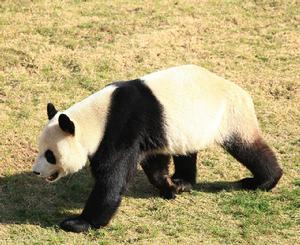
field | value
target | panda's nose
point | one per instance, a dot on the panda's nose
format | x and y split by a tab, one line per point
37	173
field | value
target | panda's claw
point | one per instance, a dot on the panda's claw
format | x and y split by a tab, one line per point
75	224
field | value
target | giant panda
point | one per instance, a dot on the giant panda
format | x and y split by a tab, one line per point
170	113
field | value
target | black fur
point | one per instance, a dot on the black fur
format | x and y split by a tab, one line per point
135	115
156	168
50	157
75	224
51	111
134	126
259	159
66	124
185	171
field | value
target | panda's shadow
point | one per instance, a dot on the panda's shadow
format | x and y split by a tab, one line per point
24	198
28	199
141	188
217	186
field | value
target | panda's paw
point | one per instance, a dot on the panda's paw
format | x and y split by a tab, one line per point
182	185
168	194
253	184
75	224
248	183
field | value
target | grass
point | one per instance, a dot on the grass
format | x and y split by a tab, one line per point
62	51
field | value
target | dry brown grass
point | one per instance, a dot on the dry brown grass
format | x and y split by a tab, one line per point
62	51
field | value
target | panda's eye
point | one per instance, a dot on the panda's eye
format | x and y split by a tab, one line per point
50	157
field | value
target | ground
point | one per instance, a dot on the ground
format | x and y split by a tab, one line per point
62	51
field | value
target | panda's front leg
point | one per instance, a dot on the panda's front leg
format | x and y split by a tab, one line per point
75	224
102	203
105	198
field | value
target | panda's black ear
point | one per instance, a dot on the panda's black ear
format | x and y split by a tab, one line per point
66	124
51	111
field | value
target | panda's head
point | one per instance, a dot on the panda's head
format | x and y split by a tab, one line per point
60	150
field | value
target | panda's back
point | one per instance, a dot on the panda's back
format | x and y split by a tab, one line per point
191	106
199	107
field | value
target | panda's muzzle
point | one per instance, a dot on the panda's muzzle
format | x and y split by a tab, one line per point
52	177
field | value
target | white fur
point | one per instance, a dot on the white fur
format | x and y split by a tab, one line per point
71	152
90	116
201	108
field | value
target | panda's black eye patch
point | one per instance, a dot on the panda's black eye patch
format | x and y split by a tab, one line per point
50	157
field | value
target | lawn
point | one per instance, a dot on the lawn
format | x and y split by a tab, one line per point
62	51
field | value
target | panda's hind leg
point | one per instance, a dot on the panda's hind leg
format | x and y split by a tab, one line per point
156	168
258	157
185	171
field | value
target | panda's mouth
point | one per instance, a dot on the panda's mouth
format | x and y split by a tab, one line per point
52	177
